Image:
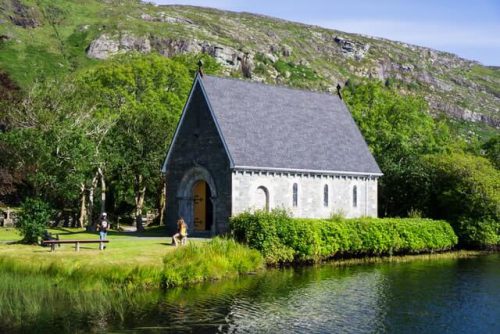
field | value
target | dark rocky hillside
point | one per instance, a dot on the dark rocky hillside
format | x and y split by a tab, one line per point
51	38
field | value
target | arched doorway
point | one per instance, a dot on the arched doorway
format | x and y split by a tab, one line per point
197	195
202	207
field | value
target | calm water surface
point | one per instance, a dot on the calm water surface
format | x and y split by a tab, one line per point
420	296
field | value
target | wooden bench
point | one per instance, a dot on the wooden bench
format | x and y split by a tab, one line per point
77	243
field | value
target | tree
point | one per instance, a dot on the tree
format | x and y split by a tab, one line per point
52	137
33	220
492	150
466	191
399	131
146	95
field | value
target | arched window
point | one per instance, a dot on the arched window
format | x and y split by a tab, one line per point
355	196
262	198
325	195
295	194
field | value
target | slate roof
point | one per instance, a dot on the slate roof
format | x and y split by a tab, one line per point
275	127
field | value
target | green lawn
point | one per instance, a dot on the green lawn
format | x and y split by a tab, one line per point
139	259
124	249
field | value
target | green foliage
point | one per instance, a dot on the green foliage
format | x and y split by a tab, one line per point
466	191
492	150
297	75
399	130
208	261
145	96
261	231
33	220
51	139
283	239
190	60
115	119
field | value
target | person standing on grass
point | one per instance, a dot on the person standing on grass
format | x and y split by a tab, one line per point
103	227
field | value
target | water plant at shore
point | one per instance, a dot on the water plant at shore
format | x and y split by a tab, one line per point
217	259
282	239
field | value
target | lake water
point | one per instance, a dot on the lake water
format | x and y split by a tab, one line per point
420	296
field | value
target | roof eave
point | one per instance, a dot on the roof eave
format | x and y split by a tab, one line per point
311	171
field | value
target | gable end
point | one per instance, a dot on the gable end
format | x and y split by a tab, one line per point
197	84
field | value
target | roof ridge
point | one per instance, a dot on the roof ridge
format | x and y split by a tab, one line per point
273	85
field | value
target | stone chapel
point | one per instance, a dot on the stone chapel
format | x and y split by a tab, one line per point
242	145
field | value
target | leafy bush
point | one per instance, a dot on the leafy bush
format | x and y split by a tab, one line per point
33	219
484	233
283	239
466	192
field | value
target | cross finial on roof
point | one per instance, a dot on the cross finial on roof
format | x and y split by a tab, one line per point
200	68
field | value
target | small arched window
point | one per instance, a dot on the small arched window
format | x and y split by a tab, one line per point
325	195
355	196
262	198
295	194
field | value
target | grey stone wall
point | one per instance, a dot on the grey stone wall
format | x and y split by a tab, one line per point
198	150
310	202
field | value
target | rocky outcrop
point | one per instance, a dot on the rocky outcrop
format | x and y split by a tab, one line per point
23	16
106	46
352	49
133	43
103	47
162	17
463	113
265	49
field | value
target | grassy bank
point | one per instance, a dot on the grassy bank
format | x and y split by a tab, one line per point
148	260
35	303
282	239
132	259
91	289
220	258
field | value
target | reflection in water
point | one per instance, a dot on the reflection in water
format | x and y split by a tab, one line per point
422	296
314	304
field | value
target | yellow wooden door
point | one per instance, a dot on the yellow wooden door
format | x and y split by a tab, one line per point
200	207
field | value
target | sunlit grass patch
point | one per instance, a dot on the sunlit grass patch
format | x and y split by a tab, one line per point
217	259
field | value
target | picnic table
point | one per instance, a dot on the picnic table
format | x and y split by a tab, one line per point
77	243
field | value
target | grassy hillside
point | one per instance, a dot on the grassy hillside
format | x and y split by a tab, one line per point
40	38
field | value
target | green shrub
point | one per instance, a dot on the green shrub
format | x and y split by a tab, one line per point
466	192
282	239
484	233
33	220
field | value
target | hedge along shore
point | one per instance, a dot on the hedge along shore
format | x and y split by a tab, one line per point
284	240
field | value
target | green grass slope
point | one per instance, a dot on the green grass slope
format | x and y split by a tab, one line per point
43	38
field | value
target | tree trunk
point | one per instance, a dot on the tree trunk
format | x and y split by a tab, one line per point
139	202
163	201
103	190
91	203
83	207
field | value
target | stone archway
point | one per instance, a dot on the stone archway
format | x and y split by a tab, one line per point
185	195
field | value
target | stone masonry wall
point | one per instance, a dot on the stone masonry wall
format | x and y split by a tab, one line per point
310	193
198	146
